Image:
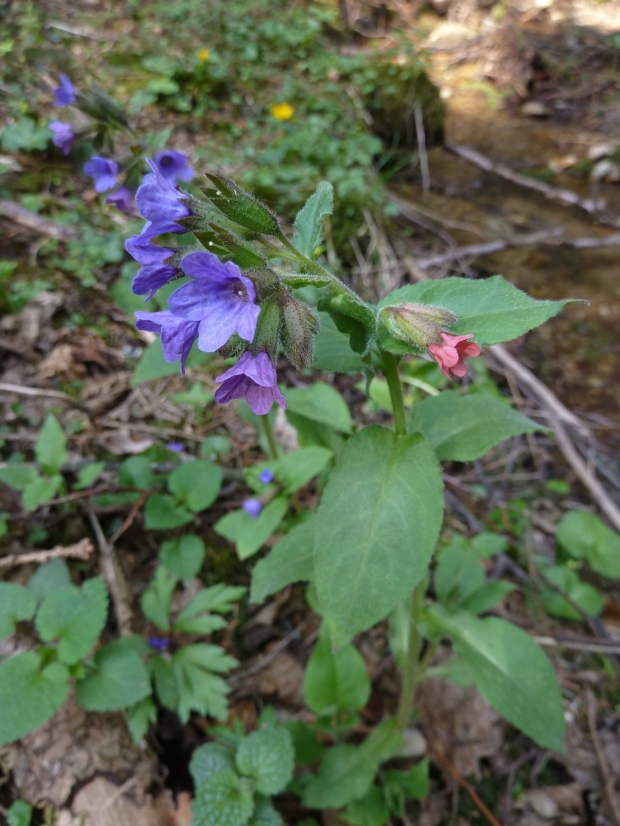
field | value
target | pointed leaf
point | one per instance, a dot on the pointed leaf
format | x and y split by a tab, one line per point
335	682
290	560
309	220
51	448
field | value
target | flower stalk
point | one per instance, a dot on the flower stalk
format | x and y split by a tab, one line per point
414	667
390	371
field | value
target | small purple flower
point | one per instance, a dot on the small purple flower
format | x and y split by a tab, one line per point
266	476
174	166
154	273
158	201
104	171
177	334
63	135
159	643
219	297
253	507
65	93
176	447
122	198
253	378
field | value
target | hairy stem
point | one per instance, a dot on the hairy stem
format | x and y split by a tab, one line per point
271	439
336	284
413	668
390	371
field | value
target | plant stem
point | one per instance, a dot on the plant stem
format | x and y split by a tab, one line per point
412	670
271	440
337	285
390	371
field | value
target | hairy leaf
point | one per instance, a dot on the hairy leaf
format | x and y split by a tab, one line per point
16	605
290	560
335	682
332	351
321	403
120	678
309	220
209	759
222	800
268	757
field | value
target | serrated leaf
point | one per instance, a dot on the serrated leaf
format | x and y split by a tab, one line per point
51	448
491	309
75	617
249	534
511	672
139	716
584	536
265	814
222	800
198	687
195	617
18	476
290	560
162	512
382	509
293	470
335	682
49	578
16	605
464	428
40	491
209	759
332	350
309	220
120	678
196	483
29	696
183	556
321	403
268	757
156	600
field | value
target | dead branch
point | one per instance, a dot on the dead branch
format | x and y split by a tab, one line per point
596	646
81	550
608	780
30	220
35	391
474	250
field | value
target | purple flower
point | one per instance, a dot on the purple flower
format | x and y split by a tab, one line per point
174	166
266	476
104	171
65	93
63	135
253	507
177	334
159	643
158	201
154	273
253	378
219	297
122	198
176	447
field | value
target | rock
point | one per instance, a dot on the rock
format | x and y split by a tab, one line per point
535	109
600	150
449	35
602	169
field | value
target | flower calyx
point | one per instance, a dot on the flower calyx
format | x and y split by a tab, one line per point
419	325
299	327
241	207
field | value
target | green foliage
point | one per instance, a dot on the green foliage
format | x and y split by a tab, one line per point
119	678
152	364
267	756
464	428
25	135
156	600
335	682
382	509
184	556
459	573
584	536
195	668
18	476
163	512
89	474
585	596
16	605
290	560
309	220
224	799
332	350
139	716
320	402
370	810
296	469
196	618
402	785
209	759
51	448
196	484
40	491
250	534
19	814
49	578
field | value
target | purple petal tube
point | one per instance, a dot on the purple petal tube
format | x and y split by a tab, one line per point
65	93
122	198
252	507
177	334
104	171
266	476
157	200
254	379
63	135
174	166
154	273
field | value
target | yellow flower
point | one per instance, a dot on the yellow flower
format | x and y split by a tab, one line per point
203	55
282	111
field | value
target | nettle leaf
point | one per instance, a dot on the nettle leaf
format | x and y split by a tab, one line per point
16	605
156	600
293	470
209	759
18	476
371	810
139	716
491	309
309	220
290	560
346	772
120	679
183	556
196	483
464	428
265	814
49	578
584	536
40	491
75	617
162	512
510	671
332	350
224	799
335	682
29	695
198	687
382	509
249	534
268	757
51	448
583	594
321	403
195	617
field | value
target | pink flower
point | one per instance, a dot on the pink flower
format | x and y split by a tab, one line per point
449	356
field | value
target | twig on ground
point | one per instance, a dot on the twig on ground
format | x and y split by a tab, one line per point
474	250
475	798
608	780
421	138
137	507
596	646
30	220
81	550
36	391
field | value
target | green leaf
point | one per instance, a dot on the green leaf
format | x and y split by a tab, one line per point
464	428
209	759
139	716
321	403
40	491
371	810
19	814
199	688
414	782
487	596
18	476
162	513
156	600
489	544
290	560
491	309
223	799
511	672
88	475
29	696
183	556
346	772
49	578
382	511
332	351
268	757
152	364
307	747
25	135
165	682
120	679
584	536
251	534
51	448
459	573
265	814
309	220
351	316
16	605
334	683
75	617
293	470
195	617
196	483
584	595
136	473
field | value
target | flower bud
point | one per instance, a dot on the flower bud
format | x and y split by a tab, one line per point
417	324
268	327
299	326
